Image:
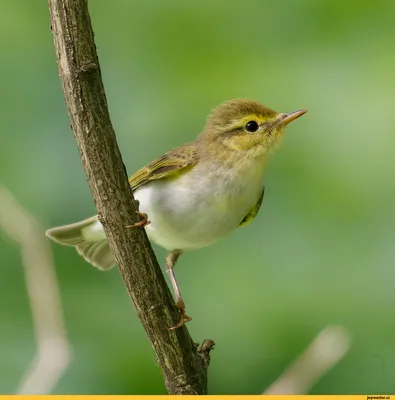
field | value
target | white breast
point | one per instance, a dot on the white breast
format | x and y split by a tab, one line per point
197	209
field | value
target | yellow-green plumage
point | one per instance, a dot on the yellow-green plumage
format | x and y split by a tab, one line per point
200	191
254	212
168	166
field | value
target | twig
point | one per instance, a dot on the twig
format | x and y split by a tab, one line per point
53	349
183	369
326	350
204	351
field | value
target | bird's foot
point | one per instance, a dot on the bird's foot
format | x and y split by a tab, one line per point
183	317
141	224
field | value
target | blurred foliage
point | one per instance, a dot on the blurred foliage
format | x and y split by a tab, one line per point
322	248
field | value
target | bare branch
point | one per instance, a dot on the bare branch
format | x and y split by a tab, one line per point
183	369
53	349
326	350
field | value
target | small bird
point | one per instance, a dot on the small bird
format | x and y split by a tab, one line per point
198	192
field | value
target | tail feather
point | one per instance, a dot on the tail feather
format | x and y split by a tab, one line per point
103	257
89	239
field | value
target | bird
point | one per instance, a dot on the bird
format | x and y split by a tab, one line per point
197	193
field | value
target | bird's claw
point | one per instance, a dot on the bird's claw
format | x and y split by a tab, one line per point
183	317
141	224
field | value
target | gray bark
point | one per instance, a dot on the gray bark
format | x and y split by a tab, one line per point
184	367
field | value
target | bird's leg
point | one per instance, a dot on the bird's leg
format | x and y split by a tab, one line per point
141	224
171	260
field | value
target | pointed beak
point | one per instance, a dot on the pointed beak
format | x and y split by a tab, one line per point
286	118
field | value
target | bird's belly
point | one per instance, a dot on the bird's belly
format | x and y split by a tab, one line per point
185	218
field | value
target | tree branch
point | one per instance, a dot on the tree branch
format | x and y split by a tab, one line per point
53	354
323	353
184	369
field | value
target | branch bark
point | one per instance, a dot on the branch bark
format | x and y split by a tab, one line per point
184	367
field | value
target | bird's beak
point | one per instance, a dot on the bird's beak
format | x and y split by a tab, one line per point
286	118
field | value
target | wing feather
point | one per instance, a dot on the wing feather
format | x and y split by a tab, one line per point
253	213
173	162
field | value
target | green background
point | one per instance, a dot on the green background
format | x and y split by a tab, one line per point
322	248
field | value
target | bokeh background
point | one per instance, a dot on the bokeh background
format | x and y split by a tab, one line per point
320	252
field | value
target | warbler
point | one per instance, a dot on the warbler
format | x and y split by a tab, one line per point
198	192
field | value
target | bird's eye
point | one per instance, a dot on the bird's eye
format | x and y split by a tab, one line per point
251	126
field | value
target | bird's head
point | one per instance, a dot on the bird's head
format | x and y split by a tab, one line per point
247	126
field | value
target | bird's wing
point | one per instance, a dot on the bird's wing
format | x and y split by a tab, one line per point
252	214
172	163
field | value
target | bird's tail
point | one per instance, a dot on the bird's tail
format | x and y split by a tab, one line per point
88	238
